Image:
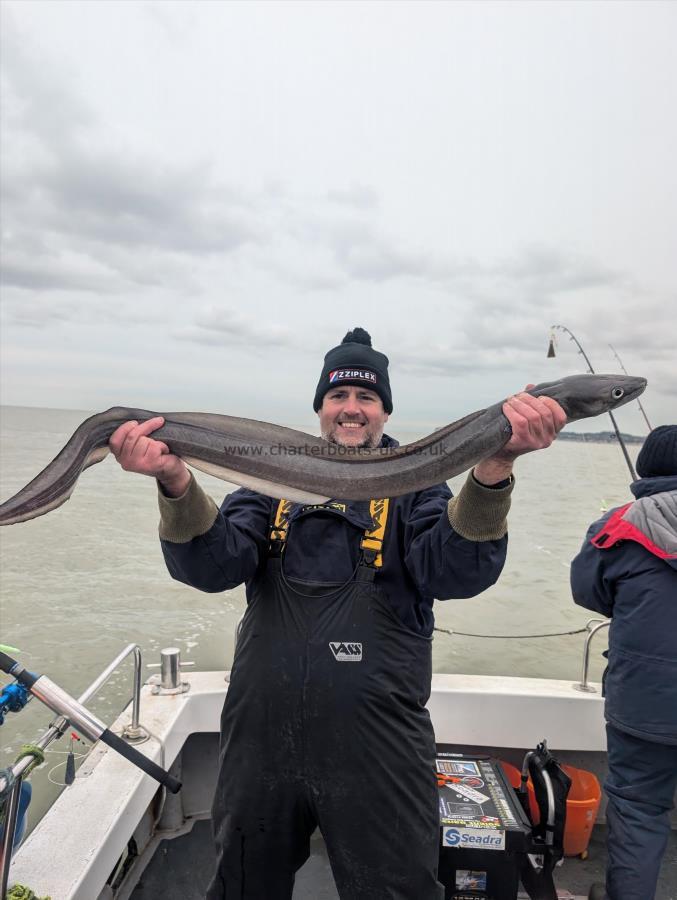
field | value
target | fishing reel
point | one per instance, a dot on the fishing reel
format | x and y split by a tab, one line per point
13	698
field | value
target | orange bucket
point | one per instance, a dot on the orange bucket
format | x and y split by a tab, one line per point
582	806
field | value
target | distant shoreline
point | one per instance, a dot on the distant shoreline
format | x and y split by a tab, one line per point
592	437
598	437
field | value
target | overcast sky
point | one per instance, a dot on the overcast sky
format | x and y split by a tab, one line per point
200	199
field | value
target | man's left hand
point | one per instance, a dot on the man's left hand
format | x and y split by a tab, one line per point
535	422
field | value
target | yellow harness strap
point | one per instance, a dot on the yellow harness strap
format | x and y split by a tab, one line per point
371	540
373	537
279	530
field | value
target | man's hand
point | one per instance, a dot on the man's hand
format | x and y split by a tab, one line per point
535	422
136	452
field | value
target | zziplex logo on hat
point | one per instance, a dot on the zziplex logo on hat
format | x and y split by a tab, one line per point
352	375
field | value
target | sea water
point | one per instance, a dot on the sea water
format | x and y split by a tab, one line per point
79	584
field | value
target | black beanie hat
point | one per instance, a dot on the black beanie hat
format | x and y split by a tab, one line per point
355	361
658	455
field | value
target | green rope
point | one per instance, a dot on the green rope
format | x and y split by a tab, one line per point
21	892
36	752
38	755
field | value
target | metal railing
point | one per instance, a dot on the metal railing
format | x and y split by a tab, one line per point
133	733
593	626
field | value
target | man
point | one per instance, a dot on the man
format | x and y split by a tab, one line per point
325	721
627	569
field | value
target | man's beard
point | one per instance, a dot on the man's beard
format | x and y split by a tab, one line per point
369	441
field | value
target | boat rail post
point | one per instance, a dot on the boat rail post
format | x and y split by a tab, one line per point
593	626
134	732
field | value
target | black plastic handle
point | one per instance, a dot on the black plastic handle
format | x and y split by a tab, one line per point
6	662
13	667
138	759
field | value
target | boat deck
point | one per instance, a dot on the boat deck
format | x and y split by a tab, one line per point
111	805
182	868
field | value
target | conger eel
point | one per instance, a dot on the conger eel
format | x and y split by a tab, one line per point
281	462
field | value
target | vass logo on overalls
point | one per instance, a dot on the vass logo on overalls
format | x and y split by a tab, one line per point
346	652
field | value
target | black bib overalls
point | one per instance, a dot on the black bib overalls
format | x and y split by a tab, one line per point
325	725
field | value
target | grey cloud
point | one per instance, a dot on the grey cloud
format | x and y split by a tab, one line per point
479	341
436	360
178	25
131	221
37	312
360	197
554	271
362	252
33	314
132	203
640	344
29	263
318	282
377	261
96	197
146	223
433	361
109	208
221	326
496	332
47	278
31	94
303	276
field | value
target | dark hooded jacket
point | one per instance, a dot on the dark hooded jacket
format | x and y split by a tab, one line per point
423	556
632	578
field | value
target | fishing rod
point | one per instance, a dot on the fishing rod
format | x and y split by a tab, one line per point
551	354
60	702
620	363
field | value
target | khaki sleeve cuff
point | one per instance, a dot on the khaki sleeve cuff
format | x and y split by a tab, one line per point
480	513
188	516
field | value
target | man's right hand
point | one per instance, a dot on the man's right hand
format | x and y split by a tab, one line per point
137	452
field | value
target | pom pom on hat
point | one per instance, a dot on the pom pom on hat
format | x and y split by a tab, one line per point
357	336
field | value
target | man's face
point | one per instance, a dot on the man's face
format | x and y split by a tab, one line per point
352	417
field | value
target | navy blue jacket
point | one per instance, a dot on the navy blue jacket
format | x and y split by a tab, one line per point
638	590
423	557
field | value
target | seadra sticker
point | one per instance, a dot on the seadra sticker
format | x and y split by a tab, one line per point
473	838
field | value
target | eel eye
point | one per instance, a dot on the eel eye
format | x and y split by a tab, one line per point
617	393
